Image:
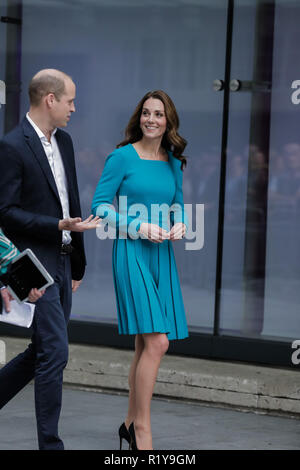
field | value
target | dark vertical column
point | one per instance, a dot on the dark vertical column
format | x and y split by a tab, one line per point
13	63
257	185
218	286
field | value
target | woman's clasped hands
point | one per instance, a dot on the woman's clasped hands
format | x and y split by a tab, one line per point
156	234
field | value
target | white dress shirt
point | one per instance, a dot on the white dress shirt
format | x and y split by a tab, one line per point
57	167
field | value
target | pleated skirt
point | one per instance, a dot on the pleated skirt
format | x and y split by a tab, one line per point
148	293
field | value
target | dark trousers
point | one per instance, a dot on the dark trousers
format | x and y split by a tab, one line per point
45	358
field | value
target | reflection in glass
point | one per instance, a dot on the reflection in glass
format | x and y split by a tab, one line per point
116	52
282	291
260	277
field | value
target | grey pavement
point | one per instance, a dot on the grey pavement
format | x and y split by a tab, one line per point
218	383
90	420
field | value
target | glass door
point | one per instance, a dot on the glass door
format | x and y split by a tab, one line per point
116	52
231	68
260	288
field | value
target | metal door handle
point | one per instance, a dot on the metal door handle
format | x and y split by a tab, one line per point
235	85
249	85
218	85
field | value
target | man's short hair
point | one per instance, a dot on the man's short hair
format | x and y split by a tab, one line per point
44	83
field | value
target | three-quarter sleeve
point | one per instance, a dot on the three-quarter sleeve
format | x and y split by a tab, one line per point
178	213
108	187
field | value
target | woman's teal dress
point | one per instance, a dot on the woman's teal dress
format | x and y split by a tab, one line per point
146	282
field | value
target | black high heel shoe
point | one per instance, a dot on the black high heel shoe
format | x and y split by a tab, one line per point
133	445
124	434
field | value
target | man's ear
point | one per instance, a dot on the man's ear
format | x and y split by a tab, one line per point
49	100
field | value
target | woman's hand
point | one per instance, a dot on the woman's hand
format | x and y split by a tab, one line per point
177	232
153	232
6	297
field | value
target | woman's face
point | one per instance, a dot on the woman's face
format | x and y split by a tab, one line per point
153	121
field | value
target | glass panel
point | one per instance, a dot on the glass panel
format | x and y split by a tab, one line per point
282	289
232	292
116	51
260	279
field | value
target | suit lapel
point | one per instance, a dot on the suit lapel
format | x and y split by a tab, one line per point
38	151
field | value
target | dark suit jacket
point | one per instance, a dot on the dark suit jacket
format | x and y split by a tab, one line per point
30	207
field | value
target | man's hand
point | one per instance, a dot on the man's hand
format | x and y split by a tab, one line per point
177	232
33	296
78	225
75	285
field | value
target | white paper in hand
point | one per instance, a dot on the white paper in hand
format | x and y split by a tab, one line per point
20	314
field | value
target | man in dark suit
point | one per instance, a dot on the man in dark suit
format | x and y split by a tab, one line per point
40	209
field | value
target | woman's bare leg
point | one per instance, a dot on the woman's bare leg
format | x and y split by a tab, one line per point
155	346
139	346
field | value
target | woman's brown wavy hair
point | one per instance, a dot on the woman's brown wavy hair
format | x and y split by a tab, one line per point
171	140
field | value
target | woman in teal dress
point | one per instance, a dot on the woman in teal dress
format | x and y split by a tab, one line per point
145	174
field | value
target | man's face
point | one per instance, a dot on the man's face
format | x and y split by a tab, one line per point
62	109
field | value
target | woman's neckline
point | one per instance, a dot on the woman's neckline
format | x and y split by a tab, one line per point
150	159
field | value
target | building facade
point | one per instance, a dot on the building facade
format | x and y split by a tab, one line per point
231	68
